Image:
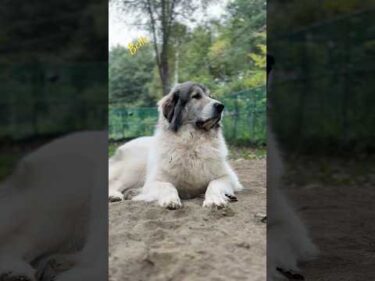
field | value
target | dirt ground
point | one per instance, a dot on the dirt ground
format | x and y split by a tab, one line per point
336	200
149	243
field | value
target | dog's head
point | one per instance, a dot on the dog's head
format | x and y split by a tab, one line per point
190	103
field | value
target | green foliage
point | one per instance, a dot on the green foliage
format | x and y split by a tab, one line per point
228	56
8	162
37	105
302	13
247	152
130	76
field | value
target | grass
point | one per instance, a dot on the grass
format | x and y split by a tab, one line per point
247	153
7	164
333	171
112	148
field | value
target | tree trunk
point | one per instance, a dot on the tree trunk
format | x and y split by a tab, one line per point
176	66
164	71
164	63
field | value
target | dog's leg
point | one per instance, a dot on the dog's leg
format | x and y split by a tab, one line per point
128	179
114	193
12	268
168	196
127	169
90	263
235	182
115	183
219	192
74	267
163	192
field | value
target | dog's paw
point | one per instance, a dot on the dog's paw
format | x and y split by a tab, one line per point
49	267
170	202
19	271
80	274
290	274
214	205
20	274
215	200
115	196
238	187
131	193
12	276
232	198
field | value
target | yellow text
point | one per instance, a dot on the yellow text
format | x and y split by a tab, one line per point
135	46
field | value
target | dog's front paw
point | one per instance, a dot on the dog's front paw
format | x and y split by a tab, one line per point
170	202
290	274
18	271
13	276
115	196
238	187
48	268
231	198
215	200
80	274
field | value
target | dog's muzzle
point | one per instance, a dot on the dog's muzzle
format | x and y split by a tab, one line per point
209	123
213	121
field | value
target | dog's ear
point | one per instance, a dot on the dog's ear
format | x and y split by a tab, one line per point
168	106
172	110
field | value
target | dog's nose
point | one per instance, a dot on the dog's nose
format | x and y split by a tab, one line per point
219	107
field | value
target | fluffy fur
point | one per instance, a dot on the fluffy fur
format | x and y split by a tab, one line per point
181	160
288	242
52	208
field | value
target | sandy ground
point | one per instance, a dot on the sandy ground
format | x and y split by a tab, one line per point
148	243
338	207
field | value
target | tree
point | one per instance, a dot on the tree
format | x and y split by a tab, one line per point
130	75
161	16
228	55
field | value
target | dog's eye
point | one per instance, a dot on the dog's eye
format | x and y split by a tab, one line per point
197	96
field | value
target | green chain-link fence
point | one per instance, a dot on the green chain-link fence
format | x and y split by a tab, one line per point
244	118
51	99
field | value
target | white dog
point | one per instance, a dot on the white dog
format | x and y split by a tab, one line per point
54	208
185	157
288	241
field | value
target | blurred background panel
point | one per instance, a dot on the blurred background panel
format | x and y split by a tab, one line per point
53	83
53	73
323	88
322	100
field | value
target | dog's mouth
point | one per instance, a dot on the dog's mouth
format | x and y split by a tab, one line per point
209	123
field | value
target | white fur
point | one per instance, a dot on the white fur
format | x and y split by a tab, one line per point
171	165
288	239
127	168
52	205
